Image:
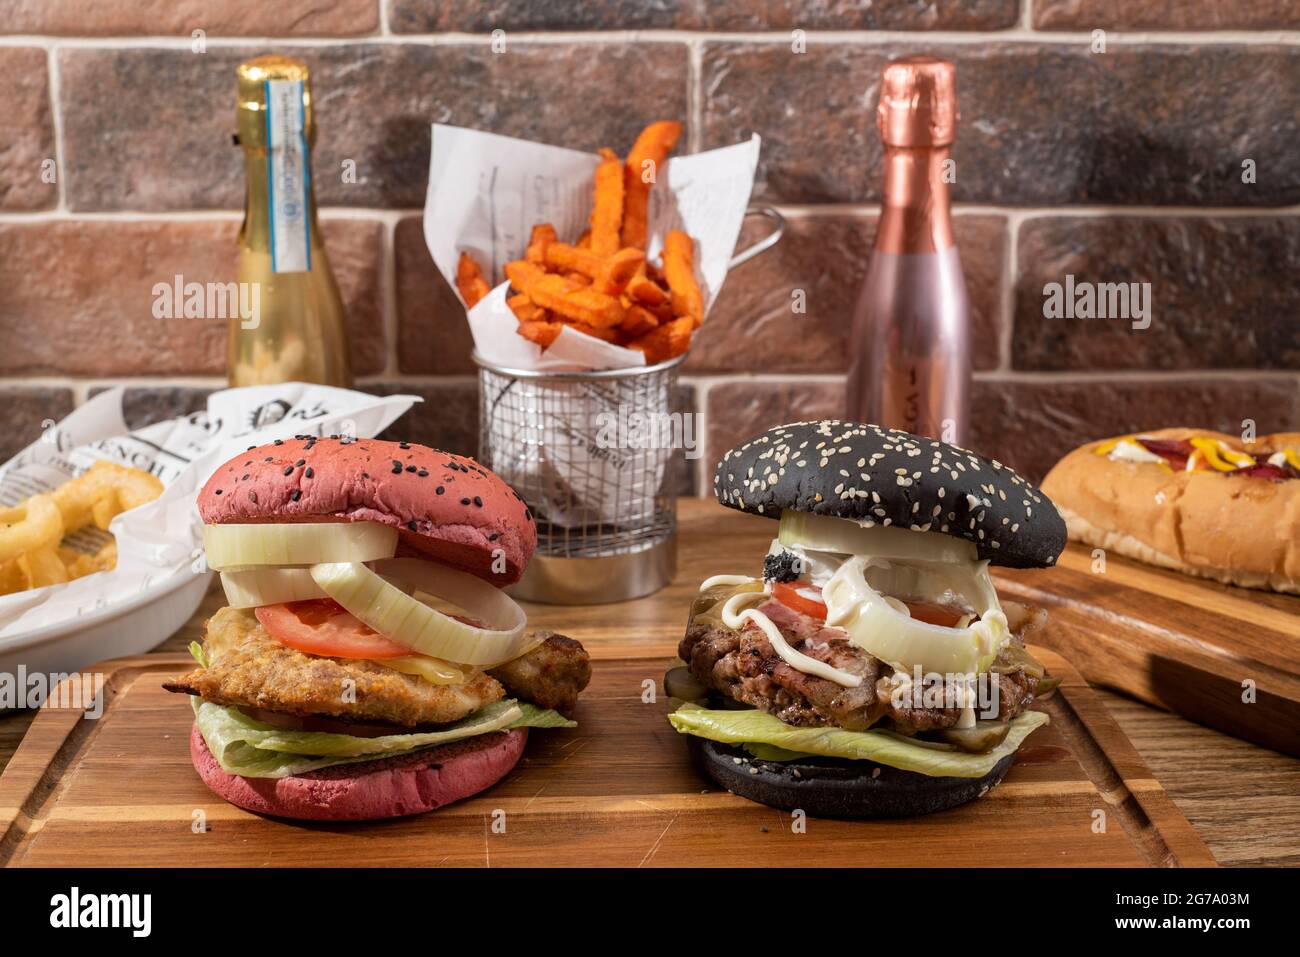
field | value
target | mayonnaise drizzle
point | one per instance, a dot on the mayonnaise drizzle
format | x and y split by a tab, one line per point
986	630
1126	450
717	580
795	659
733	618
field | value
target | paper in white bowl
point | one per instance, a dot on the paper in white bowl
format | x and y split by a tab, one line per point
162	540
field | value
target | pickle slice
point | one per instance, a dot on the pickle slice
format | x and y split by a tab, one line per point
981	739
680	683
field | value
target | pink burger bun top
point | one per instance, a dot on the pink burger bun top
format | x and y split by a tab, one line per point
448	507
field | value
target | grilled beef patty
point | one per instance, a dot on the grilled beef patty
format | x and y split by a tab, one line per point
743	665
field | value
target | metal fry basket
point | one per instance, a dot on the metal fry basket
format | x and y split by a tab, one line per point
593	455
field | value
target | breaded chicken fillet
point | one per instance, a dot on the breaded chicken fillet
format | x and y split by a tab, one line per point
247	668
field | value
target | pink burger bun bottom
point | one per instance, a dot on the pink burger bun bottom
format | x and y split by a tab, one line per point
371	790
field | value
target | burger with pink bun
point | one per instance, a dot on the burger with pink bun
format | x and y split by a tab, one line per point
368	664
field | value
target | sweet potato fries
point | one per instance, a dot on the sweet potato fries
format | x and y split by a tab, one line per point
602	284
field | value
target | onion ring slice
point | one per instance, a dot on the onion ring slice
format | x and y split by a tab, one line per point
297	543
255	587
396	615
826	533
903	642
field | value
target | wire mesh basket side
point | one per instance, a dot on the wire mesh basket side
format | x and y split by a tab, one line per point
587	454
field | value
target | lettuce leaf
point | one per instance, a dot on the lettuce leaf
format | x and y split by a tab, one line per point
254	749
755	727
770	752
535	717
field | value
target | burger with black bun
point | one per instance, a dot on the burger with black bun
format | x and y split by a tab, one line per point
871	669
369	664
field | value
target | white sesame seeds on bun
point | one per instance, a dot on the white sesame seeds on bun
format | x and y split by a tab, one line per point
888	477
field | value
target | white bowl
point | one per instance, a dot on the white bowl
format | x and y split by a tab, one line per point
130	627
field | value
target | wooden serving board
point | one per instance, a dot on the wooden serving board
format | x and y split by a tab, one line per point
617	790
1174	641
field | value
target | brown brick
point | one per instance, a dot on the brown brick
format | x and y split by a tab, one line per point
741	15
231	18
446	419
81	298
484	16
819	144
432	333
738	410
77	297
1218	299
28	130
480	16
25	412
983	243
356	252
1031	424
1043	124
1163	15
752	327
171	114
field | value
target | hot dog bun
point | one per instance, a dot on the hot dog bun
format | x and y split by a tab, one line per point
1238	529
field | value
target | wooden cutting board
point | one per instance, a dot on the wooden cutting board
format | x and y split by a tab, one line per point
1174	641
617	790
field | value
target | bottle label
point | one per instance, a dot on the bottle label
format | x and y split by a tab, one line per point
288	177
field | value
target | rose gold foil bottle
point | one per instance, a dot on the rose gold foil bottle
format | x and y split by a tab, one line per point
910	342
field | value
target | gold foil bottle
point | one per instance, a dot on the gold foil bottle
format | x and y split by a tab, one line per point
291	324
910	342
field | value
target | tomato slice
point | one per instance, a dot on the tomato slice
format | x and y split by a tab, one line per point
1263	471
321	626
933	614
787	593
1174	451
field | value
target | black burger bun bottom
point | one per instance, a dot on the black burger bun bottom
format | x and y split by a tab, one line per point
831	788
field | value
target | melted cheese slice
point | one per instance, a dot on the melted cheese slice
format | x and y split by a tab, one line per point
433	670
1219	457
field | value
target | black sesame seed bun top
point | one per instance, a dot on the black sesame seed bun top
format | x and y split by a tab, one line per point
889	477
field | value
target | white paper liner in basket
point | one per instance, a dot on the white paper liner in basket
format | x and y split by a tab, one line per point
486	192
553	441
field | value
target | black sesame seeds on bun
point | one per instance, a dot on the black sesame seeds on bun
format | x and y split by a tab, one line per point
888	477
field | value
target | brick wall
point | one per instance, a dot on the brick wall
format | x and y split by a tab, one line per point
1117	166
